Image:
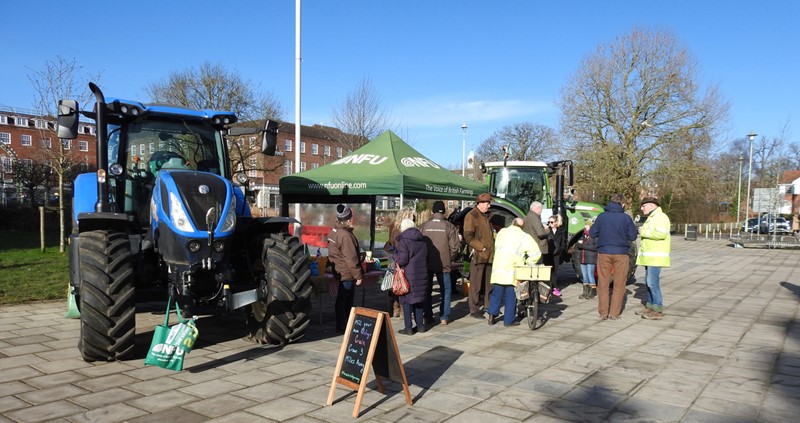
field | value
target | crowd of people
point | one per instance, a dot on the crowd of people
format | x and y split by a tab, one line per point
428	252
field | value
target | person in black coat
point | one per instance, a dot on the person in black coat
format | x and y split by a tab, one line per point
557	243
412	255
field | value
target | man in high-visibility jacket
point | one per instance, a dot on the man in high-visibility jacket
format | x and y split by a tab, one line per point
653	254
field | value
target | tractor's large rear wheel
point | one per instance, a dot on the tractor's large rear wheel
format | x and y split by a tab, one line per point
107	297
283	316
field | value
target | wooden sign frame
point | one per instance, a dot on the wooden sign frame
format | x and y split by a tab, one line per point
368	331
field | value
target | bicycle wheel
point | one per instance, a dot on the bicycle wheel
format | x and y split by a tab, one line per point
532	309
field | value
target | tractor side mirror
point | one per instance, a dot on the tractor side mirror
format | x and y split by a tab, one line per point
269	140
67	119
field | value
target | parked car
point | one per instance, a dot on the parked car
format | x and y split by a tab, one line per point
767	225
778	225
750	225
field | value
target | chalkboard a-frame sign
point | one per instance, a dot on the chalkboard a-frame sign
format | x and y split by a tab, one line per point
368	344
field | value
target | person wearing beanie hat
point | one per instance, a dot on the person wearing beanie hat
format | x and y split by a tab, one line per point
614	231
411	255
479	235
441	238
343	254
343	212
654	251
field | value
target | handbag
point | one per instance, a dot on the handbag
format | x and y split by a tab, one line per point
399	282
171	344
388	278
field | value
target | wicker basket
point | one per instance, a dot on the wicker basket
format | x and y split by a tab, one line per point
532	273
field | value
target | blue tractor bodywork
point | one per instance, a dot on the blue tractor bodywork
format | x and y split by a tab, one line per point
162	211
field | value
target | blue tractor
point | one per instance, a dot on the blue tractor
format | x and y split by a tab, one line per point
162	211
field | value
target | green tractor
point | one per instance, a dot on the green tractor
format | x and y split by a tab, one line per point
514	185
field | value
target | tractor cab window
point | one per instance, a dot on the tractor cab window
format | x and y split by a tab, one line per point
153	144
167	144
519	186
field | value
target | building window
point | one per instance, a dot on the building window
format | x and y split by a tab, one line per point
287	145
3	119
21	121
326	151
26	162
252	142
133	150
287	167
314	165
26	140
8	164
252	173
339	152
66	144
151	147
315	149
47	143
5	137
84	145
41	124
141	150
252	163
302	147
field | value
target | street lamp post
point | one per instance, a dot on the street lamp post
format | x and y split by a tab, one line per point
463	149
752	136
739	191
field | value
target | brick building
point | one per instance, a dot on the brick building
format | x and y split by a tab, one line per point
27	138
318	145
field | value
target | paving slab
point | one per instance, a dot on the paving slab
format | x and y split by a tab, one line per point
727	350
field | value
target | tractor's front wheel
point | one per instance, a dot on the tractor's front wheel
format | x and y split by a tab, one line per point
107	298
283	316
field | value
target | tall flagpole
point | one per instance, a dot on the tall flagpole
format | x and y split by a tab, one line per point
297	120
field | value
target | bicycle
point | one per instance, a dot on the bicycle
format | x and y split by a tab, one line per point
532	289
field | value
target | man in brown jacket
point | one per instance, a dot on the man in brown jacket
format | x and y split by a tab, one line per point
343	253
479	236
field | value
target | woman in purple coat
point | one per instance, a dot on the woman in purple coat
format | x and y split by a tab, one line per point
412	255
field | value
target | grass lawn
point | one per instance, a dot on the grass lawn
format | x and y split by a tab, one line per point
28	274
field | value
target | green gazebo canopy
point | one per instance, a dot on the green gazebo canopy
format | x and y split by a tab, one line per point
383	166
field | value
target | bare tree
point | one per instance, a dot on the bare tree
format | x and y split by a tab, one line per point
634	109
772	156
214	87
30	174
360	116
59	79
524	141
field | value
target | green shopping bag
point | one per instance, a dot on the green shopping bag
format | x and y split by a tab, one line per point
170	344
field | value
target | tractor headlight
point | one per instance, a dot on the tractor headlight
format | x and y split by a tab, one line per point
193	246
115	169
230	218
178	214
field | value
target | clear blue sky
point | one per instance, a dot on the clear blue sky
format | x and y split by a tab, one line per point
434	64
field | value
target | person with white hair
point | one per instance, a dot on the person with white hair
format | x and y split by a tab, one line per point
411	255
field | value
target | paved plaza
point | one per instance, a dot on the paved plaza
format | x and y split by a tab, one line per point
728	350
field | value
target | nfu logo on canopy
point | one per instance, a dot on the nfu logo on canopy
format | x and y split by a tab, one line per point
373	159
